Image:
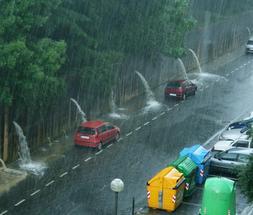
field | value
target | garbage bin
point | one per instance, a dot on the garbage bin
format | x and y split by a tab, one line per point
166	189
186	166
201	157
219	197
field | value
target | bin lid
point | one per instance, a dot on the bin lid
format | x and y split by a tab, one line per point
157	180
185	165
219	185
173	179
197	153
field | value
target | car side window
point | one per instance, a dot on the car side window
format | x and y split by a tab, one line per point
243	144
109	127
101	129
243	158
229	156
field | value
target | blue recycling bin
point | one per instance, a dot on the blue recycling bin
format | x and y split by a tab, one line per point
201	157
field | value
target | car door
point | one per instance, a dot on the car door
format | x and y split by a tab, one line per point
102	133
227	162
110	132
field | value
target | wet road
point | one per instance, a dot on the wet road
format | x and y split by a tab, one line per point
79	182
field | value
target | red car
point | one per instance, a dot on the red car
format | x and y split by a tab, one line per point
96	133
180	89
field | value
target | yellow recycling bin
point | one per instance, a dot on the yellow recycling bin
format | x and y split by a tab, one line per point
165	190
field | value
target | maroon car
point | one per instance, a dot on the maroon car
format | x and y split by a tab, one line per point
180	89
96	133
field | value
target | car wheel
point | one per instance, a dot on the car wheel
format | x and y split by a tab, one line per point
117	137
100	146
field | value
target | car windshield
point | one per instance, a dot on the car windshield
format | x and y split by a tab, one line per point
85	130
174	84
250	42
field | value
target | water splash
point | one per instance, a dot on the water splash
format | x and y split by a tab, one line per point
197	60
26	162
249	31
80	111
114	114
24	152
152	104
183	68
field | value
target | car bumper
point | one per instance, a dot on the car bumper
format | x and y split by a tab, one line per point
86	144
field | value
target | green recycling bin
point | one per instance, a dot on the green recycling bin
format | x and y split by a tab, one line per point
186	166
219	197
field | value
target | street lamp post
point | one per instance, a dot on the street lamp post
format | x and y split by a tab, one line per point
117	186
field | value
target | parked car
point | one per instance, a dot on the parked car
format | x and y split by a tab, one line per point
234	134
95	134
180	89
247	122
249	46
230	160
224	145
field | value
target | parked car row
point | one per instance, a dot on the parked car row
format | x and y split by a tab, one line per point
234	148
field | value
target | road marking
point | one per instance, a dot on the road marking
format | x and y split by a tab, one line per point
120	139
146	123
244	64
74	167
20	202
169	109
49	183
191	204
35	192
99	152
4	212
154	118
87	159
129	134
109	146
138	128
176	105
63	174
162	113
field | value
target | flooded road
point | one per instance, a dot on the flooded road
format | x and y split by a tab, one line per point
79	181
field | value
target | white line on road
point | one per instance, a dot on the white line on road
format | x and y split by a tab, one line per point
63	174
162	113
244	64
191	204
109	146
20	202
87	159
49	183
74	167
129	134
99	152
120	139
4	212
176	105
146	123
35	192
154	118
138	128
169	109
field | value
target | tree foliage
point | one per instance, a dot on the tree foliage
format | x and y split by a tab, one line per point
246	180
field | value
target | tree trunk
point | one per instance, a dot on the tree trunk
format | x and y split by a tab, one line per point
6	133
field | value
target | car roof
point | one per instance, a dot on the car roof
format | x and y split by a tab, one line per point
93	124
179	81
247	151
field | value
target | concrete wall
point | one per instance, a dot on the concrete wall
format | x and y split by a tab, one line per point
209	42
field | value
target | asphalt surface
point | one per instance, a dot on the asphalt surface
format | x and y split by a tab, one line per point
78	182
